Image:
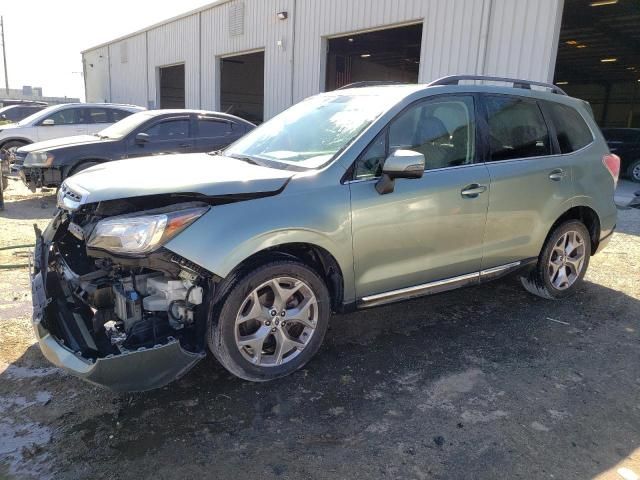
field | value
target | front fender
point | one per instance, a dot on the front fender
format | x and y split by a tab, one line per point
229	234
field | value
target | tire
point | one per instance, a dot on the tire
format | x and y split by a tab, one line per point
633	172
543	281
8	147
235	302
81	167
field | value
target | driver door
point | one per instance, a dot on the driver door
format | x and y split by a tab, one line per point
427	229
65	122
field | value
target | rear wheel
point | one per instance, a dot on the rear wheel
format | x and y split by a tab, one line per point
563	262
269	322
634	171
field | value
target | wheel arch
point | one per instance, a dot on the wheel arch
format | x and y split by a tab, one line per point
314	256
72	167
588	216
24	140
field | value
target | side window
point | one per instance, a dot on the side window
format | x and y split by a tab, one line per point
118	115
14	114
169	130
96	115
442	129
369	165
68	116
209	127
516	129
573	133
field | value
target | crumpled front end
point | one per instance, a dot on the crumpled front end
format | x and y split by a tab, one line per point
129	324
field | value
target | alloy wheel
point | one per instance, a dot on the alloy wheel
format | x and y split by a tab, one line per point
276	321
567	260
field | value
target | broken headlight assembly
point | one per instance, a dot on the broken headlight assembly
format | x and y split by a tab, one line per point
38	159
142	233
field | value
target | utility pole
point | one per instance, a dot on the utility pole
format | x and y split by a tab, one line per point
4	56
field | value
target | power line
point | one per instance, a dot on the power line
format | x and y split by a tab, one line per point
4	56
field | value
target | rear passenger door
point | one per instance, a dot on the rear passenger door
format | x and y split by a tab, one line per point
531	183
213	133
161	137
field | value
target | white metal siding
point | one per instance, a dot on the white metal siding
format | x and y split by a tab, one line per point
523	38
129	78
505	37
262	31
176	42
96	68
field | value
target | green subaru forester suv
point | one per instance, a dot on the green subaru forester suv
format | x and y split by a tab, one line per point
348	200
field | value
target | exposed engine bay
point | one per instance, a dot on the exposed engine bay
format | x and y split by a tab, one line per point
104	305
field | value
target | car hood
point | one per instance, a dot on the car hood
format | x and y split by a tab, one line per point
60	142
198	174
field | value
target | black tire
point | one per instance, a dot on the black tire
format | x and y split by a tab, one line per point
230	298
10	145
538	281
633	172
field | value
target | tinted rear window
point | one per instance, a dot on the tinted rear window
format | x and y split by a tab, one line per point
516	128
573	132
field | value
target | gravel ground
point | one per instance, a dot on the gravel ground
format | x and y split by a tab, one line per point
486	382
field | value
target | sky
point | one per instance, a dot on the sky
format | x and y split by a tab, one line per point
44	38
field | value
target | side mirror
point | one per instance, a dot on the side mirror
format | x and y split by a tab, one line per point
400	164
48	122
142	138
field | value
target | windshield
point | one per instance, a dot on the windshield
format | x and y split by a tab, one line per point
311	133
38	115
125	126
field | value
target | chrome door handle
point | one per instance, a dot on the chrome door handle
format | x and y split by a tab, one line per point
557	174
473	190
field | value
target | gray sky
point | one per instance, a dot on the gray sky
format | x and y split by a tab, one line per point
44	38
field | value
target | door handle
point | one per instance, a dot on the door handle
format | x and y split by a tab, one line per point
473	190
557	174
184	145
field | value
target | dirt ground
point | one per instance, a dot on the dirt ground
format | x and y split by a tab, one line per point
486	382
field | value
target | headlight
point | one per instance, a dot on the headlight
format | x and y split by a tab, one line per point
38	159
140	234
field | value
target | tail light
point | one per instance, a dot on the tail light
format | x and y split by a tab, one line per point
612	162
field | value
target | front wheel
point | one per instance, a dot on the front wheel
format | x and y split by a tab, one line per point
268	322
563	262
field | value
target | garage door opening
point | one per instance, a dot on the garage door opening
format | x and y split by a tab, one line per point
390	55
172	86
242	86
599	59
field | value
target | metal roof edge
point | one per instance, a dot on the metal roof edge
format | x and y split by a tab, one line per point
195	11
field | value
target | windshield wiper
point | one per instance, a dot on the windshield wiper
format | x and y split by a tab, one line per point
245	158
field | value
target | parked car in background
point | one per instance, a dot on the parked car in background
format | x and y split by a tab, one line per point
350	199
153	132
15	113
5	102
61	121
625	142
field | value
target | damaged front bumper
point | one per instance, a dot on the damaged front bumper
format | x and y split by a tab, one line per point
141	369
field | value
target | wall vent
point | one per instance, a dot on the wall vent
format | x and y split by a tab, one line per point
124	52
236	19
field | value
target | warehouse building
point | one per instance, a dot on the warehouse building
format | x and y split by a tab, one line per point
254	58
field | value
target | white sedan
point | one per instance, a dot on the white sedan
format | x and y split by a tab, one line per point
62	121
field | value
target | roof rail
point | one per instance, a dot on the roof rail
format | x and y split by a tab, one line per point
517	83
369	83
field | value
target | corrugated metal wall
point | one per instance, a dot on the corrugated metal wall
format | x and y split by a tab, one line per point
262	31
128	61
172	43
96	71
505	37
